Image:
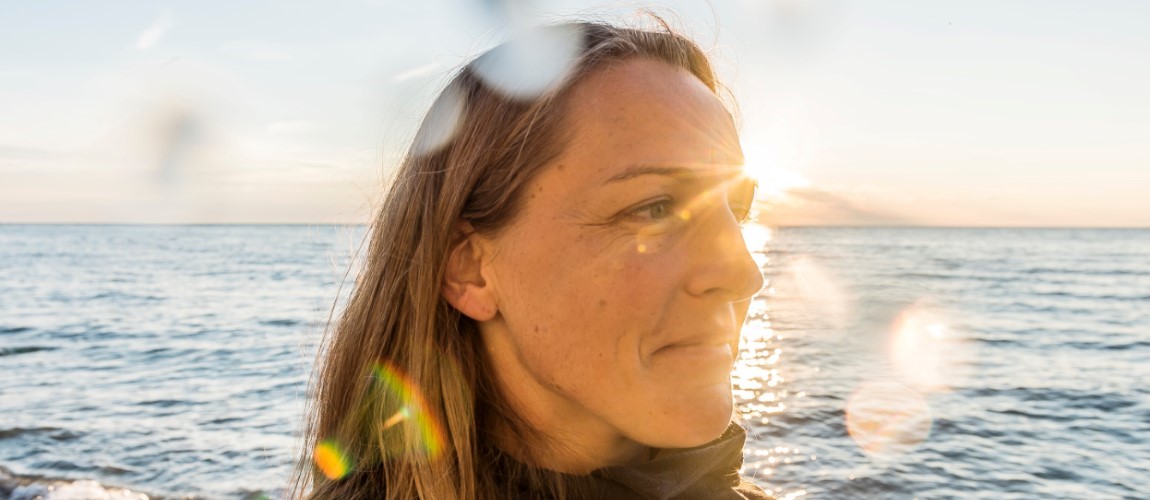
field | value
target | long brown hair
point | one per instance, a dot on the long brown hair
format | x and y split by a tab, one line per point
404	400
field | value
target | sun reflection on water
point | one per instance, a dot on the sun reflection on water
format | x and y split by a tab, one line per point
884	405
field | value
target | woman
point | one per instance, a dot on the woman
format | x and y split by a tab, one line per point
552	296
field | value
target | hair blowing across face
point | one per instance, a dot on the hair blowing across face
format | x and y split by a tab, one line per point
396	315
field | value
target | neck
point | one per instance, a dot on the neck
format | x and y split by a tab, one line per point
551	451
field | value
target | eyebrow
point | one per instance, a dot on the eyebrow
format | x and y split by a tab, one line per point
685	173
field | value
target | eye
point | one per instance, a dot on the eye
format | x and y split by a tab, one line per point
657	210
741	198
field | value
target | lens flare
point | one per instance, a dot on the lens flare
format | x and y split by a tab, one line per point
398	417
820	290
331	460
925	351
887	419
396	388
775	182
728	192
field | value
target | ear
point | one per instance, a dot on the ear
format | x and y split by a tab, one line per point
464	286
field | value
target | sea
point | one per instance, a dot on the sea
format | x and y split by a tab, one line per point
143	361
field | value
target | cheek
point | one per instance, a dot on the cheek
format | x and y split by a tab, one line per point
585	306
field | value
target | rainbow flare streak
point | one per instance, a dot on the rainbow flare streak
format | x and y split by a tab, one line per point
413	409
331	460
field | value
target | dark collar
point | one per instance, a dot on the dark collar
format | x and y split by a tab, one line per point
710	471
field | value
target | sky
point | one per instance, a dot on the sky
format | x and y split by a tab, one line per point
882	112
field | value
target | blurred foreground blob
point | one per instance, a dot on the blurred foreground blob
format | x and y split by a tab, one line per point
535	61
442	122
394	388
331	460
177	141
887	419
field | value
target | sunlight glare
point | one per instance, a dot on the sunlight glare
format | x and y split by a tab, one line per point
773	160
774	182
756	236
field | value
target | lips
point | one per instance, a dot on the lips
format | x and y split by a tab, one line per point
702	359
700	341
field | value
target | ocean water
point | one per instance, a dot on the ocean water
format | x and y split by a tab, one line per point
172	361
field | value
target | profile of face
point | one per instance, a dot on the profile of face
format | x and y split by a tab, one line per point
611	305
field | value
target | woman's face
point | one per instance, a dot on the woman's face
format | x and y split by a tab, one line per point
622	284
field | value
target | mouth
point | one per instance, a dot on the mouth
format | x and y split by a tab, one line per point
701	343
710	359
693	345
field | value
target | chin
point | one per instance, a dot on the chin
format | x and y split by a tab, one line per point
694	421
706	431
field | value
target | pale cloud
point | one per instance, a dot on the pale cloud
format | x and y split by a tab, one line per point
417	72
289	127
15	160
154	32
256	50
810	206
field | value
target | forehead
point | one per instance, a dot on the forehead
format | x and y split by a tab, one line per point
646	112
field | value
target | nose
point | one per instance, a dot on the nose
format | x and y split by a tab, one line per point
722	265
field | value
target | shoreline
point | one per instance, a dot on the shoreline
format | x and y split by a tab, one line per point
15	486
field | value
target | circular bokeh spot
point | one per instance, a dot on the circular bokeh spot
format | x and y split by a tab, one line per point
887	419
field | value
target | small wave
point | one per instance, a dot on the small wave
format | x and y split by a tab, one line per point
1028	307
124	296
63	465
221	421
1058	474
14	329
280	322
21	431
1084	272
998	341
164	403
1035	416
1105	402
12	351
1047	333
113	470
1106	346
1070	295
54	433
956	277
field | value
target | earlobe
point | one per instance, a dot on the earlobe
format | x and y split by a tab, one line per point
464	286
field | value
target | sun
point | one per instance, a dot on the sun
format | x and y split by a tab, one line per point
774	179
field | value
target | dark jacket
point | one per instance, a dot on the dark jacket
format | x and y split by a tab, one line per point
710	471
